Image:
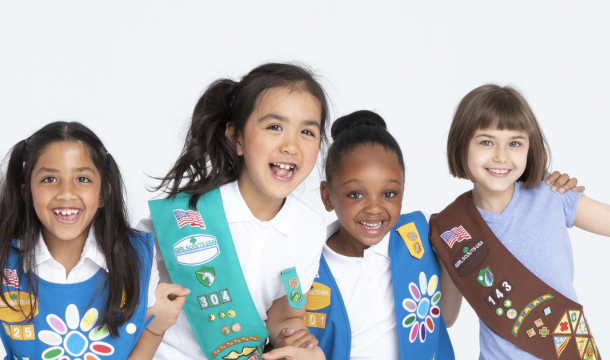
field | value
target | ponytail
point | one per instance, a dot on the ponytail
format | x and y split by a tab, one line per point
209	158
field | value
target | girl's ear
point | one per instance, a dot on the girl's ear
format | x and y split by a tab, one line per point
230	134
102	201
325	194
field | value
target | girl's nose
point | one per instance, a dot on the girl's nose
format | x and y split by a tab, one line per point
500	155
66	191
289	145
373	206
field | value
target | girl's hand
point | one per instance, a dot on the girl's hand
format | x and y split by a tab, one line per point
300	338
295	353
170	300
563	183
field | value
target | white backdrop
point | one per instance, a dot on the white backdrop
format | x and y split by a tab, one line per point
134	71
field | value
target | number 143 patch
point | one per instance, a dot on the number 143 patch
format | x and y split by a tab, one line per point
496	296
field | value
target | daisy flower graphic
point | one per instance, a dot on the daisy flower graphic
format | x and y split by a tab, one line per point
422	307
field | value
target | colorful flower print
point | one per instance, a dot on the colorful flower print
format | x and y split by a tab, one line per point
422	307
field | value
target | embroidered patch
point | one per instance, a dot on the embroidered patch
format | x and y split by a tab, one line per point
231	313
503	288
20	301
422	307
72	335
471	257
188	217
214	299
486	277
296	296
222	315
319	297
196	250
544	331
538	322
532	305
563	327
547	311
589	352
410	236
581	343
233	355
293	282
499	311
561	342
206	276
574	315
582	328
225	330
531	332
315	320
10	278
511	314
236	327
454	235
212	317
233	342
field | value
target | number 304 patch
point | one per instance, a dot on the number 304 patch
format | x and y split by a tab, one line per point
496	296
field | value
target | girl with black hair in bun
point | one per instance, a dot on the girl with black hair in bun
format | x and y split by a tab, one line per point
231	231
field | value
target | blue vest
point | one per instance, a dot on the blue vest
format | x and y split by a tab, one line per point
421	330
64	326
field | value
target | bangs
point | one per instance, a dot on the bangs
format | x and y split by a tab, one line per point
501	111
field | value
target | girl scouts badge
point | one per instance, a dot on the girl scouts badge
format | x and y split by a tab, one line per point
293	288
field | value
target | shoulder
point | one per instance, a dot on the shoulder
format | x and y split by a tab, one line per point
142	241
306	213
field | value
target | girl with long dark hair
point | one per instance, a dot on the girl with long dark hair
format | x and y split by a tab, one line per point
77	280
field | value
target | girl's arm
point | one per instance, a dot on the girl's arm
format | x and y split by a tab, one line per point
170	300
294	353
451	298
281	317
593	216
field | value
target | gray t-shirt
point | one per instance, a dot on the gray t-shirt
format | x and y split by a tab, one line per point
533	227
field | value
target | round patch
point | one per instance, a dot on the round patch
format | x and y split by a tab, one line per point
212	317
130	328
412	236
222	314
293	282
225	330
295	296
231	313
508	304
499	311
511	314
236	327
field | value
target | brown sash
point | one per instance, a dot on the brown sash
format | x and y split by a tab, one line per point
509	298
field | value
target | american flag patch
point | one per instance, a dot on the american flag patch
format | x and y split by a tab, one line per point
454	235
189	217
10	278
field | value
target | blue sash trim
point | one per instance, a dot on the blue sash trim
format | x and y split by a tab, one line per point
335	338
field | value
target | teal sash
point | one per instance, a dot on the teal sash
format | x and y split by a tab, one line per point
199	254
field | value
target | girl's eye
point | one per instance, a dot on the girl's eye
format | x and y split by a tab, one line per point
308	132
275	127
515	144
49	179
356	195
82	179
389	194
486	143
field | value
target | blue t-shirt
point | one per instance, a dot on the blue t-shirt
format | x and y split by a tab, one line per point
533	227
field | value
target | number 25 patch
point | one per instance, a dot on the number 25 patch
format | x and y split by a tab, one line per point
496	296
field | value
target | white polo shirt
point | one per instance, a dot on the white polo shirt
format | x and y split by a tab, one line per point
294	237
366	287
91	260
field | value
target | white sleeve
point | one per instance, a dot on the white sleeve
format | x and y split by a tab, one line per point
154	280
308	258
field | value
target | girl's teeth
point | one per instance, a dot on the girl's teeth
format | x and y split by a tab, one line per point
289	174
